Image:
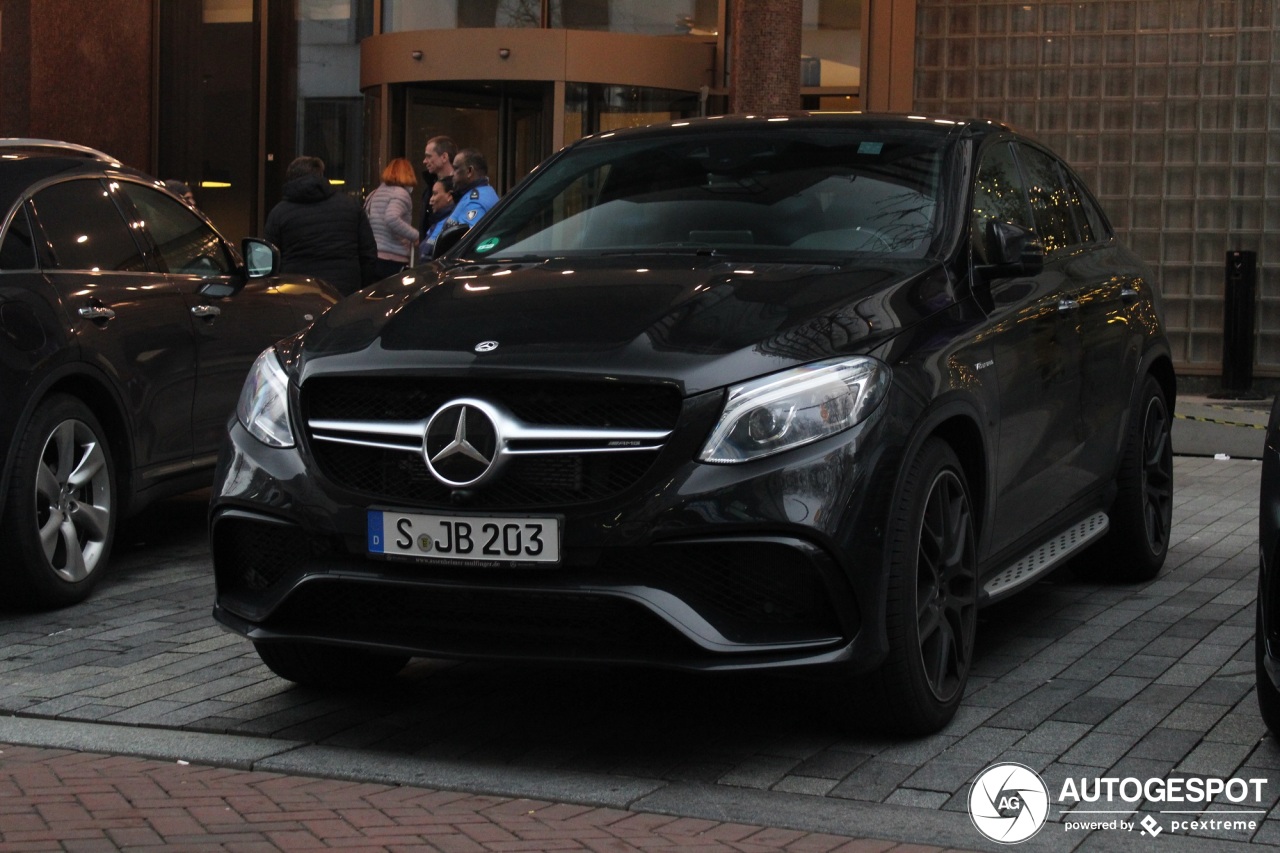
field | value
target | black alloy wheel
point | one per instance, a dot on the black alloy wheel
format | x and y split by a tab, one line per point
1157	473
945	587
932	596
1141	518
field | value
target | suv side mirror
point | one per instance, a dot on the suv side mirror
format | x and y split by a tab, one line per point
448	238
261	259
1012	249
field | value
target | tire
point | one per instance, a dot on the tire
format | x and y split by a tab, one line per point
1268	695
931	612
61	509
317	665
1135	547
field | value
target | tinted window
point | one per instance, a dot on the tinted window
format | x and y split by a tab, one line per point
17	252
85	229
186	244
997	194
786	194
1052	202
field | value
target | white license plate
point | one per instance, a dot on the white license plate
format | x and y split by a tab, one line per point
473	538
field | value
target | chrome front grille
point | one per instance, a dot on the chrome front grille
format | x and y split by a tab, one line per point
561	443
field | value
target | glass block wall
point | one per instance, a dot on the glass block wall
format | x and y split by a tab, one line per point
1170	111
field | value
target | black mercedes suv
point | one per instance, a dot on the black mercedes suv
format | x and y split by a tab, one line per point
794	392
127	326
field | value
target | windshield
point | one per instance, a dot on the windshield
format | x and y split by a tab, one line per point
794	193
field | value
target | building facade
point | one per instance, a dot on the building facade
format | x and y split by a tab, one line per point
1168	108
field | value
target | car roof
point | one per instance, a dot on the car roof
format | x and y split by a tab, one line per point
943	125
22	148
24	162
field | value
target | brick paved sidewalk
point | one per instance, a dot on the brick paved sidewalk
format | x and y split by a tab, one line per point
56	799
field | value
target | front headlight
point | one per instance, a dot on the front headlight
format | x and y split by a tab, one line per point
795	407
264	402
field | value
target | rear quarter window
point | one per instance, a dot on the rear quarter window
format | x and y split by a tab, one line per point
84	228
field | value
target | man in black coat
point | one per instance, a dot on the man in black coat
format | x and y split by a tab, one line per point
321	232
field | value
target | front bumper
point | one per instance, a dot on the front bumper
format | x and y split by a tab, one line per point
770	564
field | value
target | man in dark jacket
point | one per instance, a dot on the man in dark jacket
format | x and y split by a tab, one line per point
321	232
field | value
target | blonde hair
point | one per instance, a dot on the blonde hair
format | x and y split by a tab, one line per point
400	173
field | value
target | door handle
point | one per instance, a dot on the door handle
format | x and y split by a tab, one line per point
1066	303
206	311
96	313
1128	295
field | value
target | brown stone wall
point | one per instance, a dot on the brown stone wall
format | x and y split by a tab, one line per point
79	71
765	56
15	67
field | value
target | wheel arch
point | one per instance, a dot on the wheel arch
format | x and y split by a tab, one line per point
958	423
1161	367
95	392
965	437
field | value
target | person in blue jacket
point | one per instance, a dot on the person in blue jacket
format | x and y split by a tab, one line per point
471	189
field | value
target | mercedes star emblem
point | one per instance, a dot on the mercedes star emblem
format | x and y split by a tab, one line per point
460	444
486	346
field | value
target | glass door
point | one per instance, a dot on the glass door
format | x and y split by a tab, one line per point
506	122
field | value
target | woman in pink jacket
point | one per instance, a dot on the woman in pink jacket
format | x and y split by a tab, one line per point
390	208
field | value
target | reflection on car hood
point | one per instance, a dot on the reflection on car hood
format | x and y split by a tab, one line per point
700	321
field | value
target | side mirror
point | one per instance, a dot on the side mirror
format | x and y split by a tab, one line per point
448	238
1012	249
261	259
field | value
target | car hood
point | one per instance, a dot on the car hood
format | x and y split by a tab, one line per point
698	321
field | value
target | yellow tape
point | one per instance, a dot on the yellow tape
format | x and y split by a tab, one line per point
1220	423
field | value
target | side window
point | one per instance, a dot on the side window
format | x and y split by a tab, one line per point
84	228
1052	201
186	243
997	194
1092	223
18	252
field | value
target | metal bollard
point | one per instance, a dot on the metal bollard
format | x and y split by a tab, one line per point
1238	313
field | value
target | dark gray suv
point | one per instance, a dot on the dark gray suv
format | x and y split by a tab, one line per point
797	392
127	325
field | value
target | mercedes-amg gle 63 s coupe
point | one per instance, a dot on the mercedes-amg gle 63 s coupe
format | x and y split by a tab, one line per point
797	393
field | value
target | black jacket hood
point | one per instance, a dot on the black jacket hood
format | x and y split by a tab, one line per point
309	189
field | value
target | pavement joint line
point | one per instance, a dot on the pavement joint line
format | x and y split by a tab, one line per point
726	804
799	812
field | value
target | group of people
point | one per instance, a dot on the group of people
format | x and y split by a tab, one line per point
326	234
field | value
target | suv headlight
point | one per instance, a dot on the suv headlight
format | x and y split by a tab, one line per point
789	409
263	408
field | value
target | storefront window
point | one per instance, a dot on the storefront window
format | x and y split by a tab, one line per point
648	17
399	15
330	104
831	43
593	108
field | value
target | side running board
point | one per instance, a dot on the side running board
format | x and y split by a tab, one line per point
1048	556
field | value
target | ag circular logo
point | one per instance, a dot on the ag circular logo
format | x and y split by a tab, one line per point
1008	803
486	346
